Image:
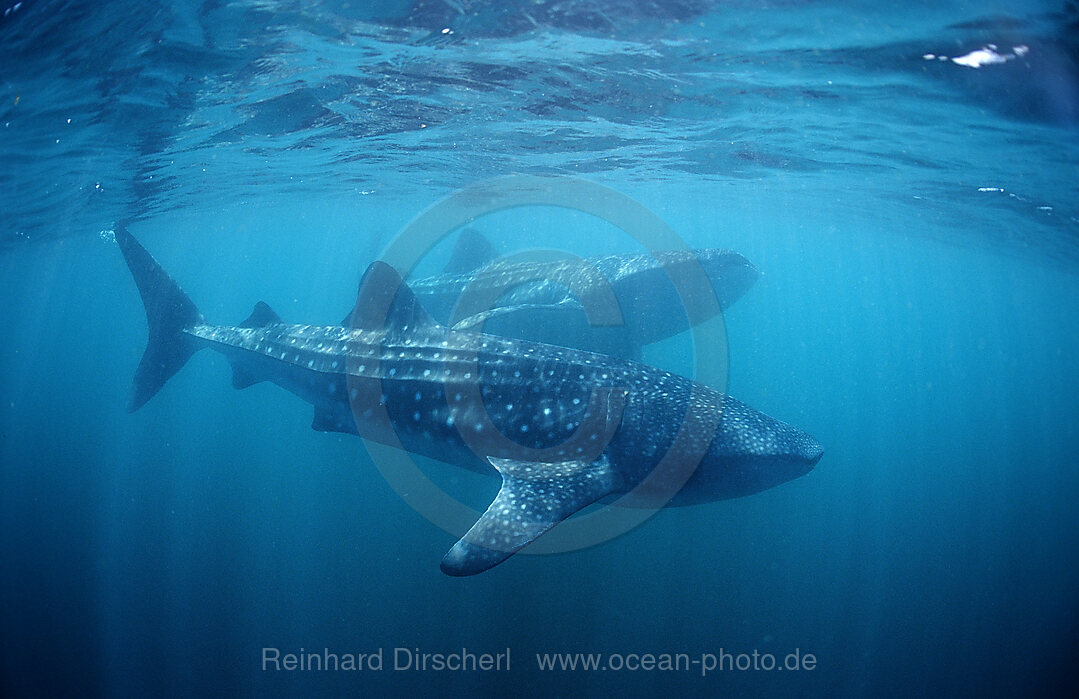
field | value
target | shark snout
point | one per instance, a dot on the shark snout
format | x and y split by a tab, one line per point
801	454
800	459
804	454
812	452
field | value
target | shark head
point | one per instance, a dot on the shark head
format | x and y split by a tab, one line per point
754	452
731	274
739	452
797	457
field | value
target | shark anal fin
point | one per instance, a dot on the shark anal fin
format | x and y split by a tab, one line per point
262	316
242	378
534	497
328	421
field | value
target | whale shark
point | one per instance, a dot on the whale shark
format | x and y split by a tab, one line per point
545	300
562	427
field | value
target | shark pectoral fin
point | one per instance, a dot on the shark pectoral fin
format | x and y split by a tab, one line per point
525	314
534	497
479	319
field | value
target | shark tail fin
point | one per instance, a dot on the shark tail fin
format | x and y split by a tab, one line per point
168	313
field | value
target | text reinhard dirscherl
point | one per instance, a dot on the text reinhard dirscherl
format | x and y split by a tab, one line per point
399	659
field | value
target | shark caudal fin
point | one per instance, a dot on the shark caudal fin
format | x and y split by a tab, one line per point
168	313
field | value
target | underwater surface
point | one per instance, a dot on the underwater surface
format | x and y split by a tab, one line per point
905	177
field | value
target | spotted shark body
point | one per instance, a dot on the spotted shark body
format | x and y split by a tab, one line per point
563	427
546	300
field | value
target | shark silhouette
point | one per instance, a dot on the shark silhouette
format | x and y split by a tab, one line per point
563	427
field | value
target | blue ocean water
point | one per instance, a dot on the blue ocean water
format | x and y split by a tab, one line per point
905	178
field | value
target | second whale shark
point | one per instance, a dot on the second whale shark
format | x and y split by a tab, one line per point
545	300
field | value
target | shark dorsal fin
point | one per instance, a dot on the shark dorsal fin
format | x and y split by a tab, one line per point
534	497
262	316
471	251
386	301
